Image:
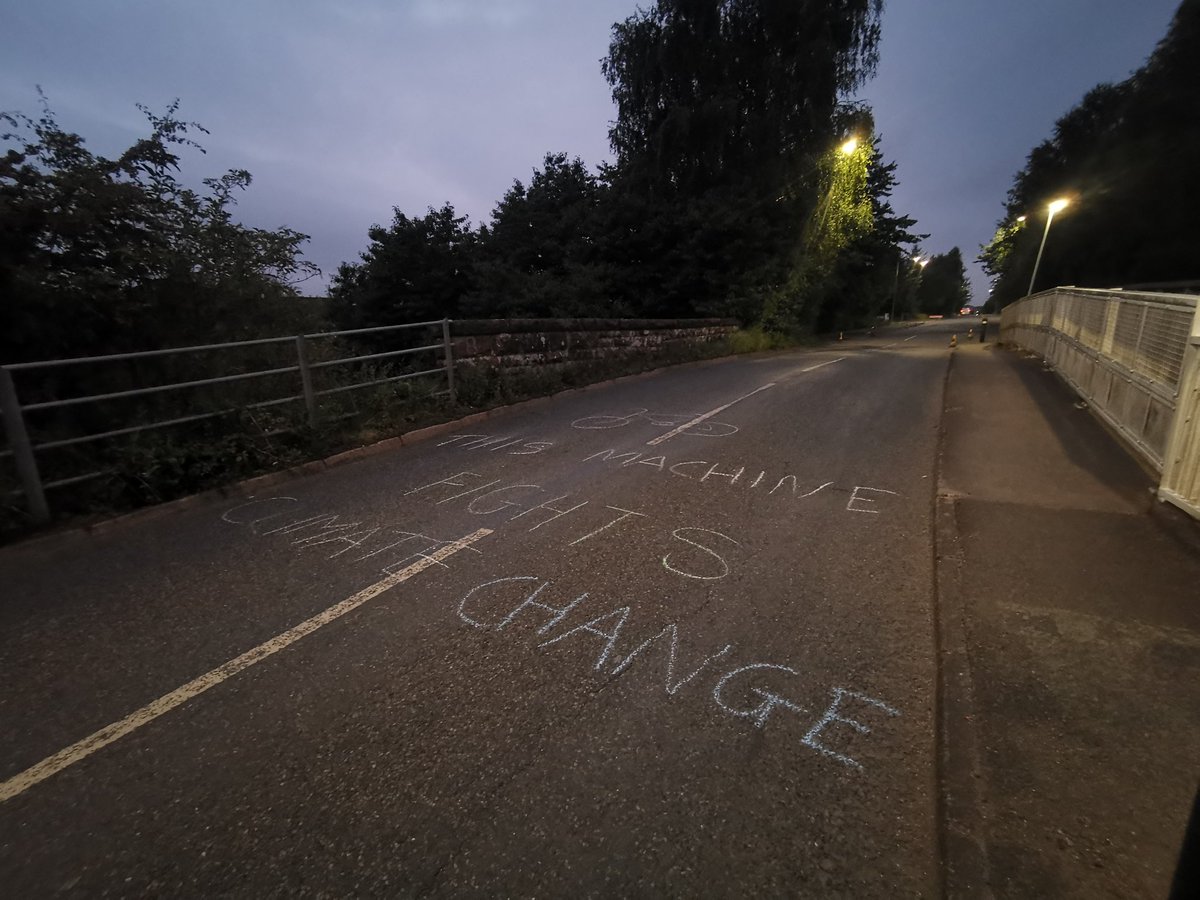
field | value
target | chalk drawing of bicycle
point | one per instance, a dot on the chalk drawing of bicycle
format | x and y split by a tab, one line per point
707	428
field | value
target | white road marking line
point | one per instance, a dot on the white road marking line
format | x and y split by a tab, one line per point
708	415
818	365
80	750
910	338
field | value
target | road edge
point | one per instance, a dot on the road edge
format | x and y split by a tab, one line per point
962	834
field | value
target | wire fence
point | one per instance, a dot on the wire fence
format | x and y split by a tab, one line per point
1134	357
62	417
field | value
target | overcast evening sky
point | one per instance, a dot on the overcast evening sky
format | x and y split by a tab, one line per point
342	110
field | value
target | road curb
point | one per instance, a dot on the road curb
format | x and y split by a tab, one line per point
962	832
249	486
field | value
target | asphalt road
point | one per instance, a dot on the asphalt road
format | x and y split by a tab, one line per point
672	659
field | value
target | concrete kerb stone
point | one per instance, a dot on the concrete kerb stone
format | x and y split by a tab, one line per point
962	825
384	446
428	433
249	486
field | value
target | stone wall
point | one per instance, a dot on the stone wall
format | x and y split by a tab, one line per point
526	343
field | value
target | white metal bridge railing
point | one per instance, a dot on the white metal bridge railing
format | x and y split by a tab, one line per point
25	450
1134	357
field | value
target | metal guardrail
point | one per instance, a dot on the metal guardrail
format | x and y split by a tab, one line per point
25	451
1132	355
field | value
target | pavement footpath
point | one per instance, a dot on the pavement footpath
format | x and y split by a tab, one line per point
1069	628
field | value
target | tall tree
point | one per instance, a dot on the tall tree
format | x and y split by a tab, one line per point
714	91
726	111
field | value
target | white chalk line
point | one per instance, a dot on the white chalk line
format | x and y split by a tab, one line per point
819	365
708	415
80	750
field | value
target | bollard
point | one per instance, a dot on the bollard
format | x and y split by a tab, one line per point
982	330
970	332
841	335
954	340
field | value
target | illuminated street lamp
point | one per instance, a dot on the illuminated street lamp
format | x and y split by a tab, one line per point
846	149
1055	206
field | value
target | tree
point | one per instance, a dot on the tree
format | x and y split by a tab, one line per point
709	92
848	260
942	289
538	257
884	247
101	255
1122	155
417	269
726	112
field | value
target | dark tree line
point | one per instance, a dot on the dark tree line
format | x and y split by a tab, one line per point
728	196
1124	158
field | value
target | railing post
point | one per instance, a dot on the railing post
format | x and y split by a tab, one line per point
1137	347
310	399
18	440
449	351
1111	309
1182	452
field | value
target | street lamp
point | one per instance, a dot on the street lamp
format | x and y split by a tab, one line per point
1055	206
896	282
846	149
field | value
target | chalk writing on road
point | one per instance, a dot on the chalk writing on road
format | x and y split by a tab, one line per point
660	420
391	546
702	471
862	498
754	691
511	446
692	552
757	691
515	501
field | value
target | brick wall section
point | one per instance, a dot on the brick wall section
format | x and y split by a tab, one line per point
521	343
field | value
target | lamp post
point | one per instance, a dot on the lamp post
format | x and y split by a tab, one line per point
1055	206
896	282
921	275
